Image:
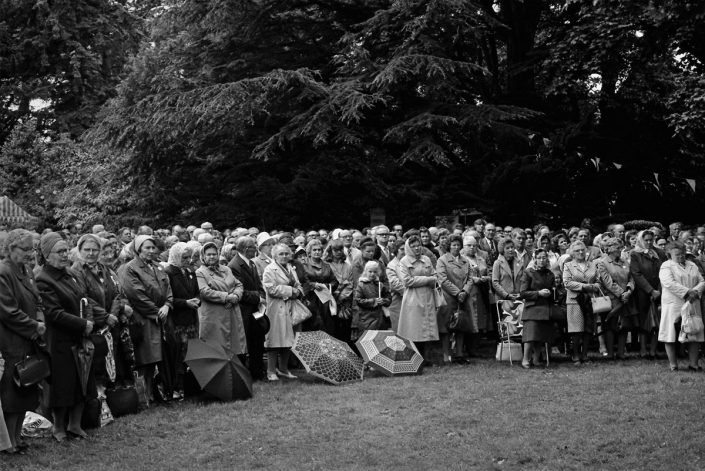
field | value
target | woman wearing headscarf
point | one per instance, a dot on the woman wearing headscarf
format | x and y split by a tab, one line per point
320	278
103	287
184	316
580	276
148	291
682	283
62	290
537	285
343	293
396	286
219	318
21	324
644	266
453	273
619	286
417	317
281	286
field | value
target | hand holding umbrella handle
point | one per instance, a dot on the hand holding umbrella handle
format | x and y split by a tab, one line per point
82	304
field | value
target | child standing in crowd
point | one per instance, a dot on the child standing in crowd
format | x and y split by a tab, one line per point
370	298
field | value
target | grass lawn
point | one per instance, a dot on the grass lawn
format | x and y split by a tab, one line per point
630	415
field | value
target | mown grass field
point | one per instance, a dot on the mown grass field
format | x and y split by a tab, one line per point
631	415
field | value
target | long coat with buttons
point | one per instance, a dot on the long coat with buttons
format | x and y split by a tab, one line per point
61	292
147	289
20	312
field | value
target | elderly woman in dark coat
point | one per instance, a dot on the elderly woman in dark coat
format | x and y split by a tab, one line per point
21	322
453	272
184	317
103	287
644	265
62	290
320	277
537	285
148	291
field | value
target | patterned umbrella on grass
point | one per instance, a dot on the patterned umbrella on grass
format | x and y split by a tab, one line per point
387	352
327	358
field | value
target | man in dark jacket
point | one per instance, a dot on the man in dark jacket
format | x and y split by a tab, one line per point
244	269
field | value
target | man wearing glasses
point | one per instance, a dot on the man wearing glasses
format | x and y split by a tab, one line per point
382	236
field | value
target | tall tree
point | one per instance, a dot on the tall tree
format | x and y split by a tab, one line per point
60	60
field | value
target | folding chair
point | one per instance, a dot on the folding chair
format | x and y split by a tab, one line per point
510	328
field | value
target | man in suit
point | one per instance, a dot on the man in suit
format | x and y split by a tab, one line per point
592	253
382	237
488	244
244	269
351	252
674	230
519	238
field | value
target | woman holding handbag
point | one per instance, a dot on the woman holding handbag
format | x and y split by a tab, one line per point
21	324
453	272
282	288
683	285
580	278
148	291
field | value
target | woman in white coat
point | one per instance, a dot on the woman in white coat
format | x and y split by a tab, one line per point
681	283
281	286
417	316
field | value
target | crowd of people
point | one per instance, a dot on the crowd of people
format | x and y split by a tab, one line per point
140	295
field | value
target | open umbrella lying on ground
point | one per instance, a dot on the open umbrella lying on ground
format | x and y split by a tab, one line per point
218	372
387	352
327	358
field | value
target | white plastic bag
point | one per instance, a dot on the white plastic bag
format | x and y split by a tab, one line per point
35	426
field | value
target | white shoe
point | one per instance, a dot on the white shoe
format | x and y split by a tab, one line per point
286	375
272	377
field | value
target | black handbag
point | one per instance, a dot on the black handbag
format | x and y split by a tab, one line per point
459	322
32	369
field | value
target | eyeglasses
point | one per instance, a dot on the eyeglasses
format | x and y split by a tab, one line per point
26	249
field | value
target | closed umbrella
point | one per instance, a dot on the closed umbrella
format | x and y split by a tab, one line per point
218	372
327	358
389	353
83	354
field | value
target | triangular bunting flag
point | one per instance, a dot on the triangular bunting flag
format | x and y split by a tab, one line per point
658	185
691	183
596	162
616	165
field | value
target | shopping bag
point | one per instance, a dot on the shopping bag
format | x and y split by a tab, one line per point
299	312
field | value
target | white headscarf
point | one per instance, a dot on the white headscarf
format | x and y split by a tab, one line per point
176	252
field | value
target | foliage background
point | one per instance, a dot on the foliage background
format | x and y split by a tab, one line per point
303	113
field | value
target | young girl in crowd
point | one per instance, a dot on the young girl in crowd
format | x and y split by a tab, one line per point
371	297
